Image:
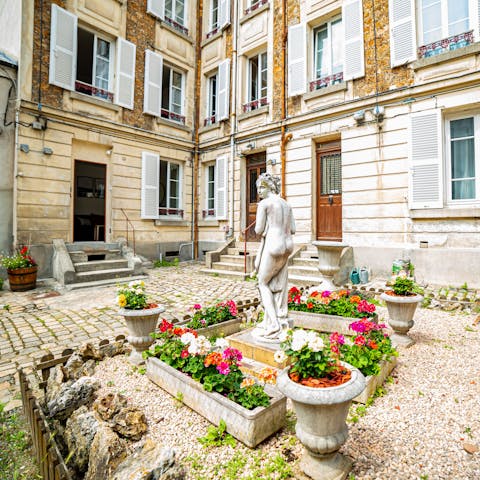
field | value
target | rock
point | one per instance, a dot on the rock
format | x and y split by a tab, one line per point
152	462
56	381
106	453
109	405
130	422
12	405
88	351
115	348
79	434
71	397
77	367
470	448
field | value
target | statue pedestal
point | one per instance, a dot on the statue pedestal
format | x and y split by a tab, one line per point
329	254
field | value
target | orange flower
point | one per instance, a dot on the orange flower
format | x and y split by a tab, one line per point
268	375
355	299
213	358
334	296
342	293
247	382
315	294
325	300
372	345
309	305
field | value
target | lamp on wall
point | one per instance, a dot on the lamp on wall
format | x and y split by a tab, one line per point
359	116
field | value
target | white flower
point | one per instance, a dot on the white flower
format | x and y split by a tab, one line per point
203	345
314	341
279	356
193	348
221	343
283	336
299	340
303	298
187	338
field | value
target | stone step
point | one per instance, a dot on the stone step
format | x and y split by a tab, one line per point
103	274
76	246
304	280
238	259
309	254
239	251
303	270
224	273
96	265
105	282
79	256
232	267
305	262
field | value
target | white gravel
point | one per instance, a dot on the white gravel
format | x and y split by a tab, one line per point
417	430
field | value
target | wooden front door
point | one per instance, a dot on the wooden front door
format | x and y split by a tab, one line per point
256	165
329	191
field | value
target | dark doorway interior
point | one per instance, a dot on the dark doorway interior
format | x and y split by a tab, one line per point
89	205
256	165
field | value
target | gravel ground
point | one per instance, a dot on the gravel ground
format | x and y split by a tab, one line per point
416	430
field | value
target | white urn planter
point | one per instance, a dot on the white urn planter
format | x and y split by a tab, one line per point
140	324
401	310
321	427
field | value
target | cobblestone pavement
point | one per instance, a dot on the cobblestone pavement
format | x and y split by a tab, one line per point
35	322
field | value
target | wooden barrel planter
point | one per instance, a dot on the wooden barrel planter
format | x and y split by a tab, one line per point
22	279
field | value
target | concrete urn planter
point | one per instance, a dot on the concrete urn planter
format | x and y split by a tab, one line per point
321	427
401	310
140	324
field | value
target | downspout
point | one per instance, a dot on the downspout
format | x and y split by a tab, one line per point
284	138
15	176
233	121
195	136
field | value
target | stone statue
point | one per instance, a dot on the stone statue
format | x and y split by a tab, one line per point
276	224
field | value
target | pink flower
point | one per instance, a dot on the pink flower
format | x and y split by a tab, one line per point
364	306
326	293
232	354
335	337
360	340
223	368
197	306
358	326
184	353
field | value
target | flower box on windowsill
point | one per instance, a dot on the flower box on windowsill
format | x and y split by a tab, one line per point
323	322
249	426
177	26
446	45
209	121
172	116
254	105
255	6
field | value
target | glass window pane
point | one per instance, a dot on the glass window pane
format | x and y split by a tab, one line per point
431	21
177	79
174	171
337	46
163	184
463	190
321	39
461	128
463	158
85	43
254	78
253	187
180	11
457	17
166	88
168	8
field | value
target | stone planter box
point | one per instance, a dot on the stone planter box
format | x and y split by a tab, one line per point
249	426
323	322
375	381
222	329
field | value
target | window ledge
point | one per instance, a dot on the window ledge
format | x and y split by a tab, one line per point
170	123
168	27
175	222
250	15
209	128
444	57
94	101
338	87
212	38
464	212
254	113
208	222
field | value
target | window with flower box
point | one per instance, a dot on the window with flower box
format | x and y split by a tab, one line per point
211	101
254	5
257	82
172	12
172	94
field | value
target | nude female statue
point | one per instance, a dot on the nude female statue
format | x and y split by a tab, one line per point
276	224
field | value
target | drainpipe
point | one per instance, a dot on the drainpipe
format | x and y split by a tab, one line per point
284	138
15	176
233	120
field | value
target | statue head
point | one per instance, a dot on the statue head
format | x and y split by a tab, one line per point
269	182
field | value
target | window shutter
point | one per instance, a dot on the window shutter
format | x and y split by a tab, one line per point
352	18
157	8
297	67
223	13
223	90
426	182
125	73
476	21
221	188
402	32
150	184
63	48
153	83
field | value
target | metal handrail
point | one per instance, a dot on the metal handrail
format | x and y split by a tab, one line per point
244	233
128	222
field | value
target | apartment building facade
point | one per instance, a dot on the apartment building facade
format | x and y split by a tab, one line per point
166	112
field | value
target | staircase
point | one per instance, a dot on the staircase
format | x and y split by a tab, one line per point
88	264
303	270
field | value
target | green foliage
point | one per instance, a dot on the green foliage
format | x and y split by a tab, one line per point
218	313
166	263
1	283
406	286
19	259
217	436
250	397
132	296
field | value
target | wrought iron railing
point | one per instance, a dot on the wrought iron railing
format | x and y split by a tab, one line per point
211	33
326	81
446	44
210	212
255	6
254	105
176	25
244	233
173	116
128	224
93	91
210	121
170	211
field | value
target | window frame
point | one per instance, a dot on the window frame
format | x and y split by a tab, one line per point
179	209
212	100
448	158
210	167
214	25
173	17
170	111
260	69
328	24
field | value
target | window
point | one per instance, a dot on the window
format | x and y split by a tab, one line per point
213	17
463	136
169	200
443	25
254	5
257	82
94	62
210	192
175	14
172	95
328	54
212	101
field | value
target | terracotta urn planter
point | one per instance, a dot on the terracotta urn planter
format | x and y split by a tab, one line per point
22	279
140	324
401	310
321	427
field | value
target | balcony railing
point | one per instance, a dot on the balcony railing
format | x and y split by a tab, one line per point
93	91
446	44
175	117
254	105
176	25
326	81
210	121
211	33
255	6
208	213
170	211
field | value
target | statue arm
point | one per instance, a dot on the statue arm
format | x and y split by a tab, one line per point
261	219
293	227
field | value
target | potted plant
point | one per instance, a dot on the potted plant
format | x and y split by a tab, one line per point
321	389
402	301
208	377
21	270
140	316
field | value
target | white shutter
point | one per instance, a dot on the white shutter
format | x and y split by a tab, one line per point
152	99
223	96
426	179
223	13
125	73
157	8
150	184
63	48
221	188
402	32
475	20
352	18
297	66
